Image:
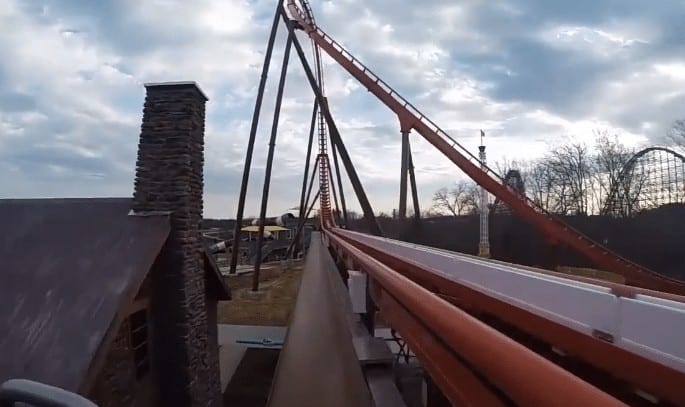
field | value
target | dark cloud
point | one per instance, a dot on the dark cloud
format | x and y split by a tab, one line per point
598	12
541	75
126	27
50	161
501	44
108	22
13	101
16	101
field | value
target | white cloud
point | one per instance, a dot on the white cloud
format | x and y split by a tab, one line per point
672	70
594	39
71	87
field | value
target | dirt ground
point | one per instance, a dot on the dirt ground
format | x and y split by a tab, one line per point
272	305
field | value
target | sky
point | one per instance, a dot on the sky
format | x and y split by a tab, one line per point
531	73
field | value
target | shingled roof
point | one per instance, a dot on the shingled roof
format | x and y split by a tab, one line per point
66	268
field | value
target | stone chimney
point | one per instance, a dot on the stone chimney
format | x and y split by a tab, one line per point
169	179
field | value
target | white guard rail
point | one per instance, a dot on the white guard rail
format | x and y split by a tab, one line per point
651	327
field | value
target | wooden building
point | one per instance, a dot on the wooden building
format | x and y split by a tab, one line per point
116	298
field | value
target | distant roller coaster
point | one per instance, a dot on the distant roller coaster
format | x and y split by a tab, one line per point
514	180
651	178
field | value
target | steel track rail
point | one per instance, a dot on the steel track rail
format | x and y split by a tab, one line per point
521	375
630	370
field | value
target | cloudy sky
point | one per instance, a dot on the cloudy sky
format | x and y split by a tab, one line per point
531	73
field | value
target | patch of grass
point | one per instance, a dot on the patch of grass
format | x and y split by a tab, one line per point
278	286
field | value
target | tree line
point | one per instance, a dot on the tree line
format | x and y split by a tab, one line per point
571	179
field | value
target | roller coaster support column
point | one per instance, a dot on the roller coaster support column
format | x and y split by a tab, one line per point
305	213
269	163
300	227
403	174
412	181
336	214
303	202
311	181
306	162
370	218
309	210
340	186
250	144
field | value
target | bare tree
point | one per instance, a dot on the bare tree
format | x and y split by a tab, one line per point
353	215
571	179
471	201
430	213
608	163
539	182
462	199
569	165
443	202
385	215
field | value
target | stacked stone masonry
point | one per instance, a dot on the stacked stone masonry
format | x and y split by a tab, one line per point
169	177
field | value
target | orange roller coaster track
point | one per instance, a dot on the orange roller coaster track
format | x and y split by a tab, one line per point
411	118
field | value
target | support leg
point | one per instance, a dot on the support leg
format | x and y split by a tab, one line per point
412	181
309	155
303	201
250	143
311	205
300	224
403	175
311	181
369	216
374	228
269	163
340	186
304	215
336	215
